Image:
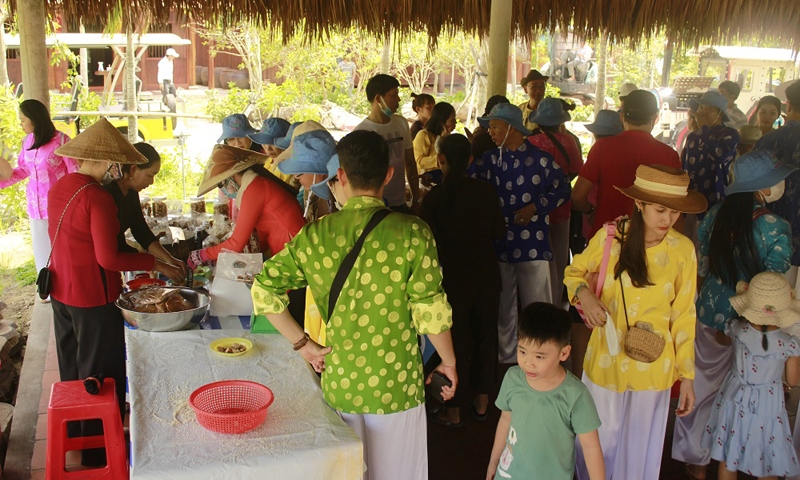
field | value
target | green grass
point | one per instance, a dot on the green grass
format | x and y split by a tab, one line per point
26	274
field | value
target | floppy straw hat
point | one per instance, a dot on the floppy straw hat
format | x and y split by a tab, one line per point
100	143
225	162
665	186
767	300
304	127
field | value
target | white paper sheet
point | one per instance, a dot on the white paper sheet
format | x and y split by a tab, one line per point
302	438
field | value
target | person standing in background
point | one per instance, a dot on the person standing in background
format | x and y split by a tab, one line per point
730	90
166	77
534	84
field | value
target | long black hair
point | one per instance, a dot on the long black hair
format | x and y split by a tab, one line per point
456	149
633	253
440	114
43	128
732	246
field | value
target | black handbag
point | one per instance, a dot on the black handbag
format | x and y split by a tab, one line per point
44	281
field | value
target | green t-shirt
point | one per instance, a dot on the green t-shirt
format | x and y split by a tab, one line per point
393	293
541	439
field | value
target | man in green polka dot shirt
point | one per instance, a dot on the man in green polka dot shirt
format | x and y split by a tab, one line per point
372	368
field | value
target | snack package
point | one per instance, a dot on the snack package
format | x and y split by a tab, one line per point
239	267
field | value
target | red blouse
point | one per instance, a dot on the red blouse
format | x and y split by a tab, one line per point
85	264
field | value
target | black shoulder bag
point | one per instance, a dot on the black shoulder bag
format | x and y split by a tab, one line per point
43	281
350	259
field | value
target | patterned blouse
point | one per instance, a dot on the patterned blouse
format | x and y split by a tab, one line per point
43	167
393	293
667	305
527	175
707	158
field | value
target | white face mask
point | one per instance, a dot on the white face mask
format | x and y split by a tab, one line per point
775	193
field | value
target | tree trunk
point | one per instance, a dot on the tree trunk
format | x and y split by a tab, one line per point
3	67
452	77
513	66
386	54
84	69
497	44
602	53
130	80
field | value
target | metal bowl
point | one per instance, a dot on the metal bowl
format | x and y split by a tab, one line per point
168	322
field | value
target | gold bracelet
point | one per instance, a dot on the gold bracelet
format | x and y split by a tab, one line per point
302	342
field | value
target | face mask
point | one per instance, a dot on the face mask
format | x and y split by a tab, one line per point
230	188
385	109
775	193
107	178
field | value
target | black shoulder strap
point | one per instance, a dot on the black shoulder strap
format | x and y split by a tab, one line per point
350	259
559	146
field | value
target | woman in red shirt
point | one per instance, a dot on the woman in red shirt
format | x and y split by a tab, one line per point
85	266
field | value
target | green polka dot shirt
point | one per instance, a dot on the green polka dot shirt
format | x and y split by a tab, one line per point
393	293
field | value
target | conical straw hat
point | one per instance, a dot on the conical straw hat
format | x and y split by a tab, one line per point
100	143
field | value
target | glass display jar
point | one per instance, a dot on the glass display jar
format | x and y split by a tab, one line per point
221	208
197	205
160	207
147	207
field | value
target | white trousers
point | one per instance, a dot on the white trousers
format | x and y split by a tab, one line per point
632	432
395	445
559	243
41	242
523	284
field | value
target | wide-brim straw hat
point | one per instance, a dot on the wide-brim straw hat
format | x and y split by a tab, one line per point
100	143
767	300
665	186
225	162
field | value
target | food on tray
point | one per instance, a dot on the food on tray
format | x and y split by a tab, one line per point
232	348
157	300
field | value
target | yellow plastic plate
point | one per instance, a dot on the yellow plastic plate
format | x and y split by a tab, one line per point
227	342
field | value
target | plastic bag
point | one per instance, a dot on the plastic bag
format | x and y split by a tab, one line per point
612	340
239	267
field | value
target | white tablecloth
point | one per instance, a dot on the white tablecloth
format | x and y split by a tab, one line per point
302	438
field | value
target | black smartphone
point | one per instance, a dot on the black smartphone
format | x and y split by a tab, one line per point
438	381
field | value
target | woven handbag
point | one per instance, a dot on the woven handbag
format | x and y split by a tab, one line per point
641	343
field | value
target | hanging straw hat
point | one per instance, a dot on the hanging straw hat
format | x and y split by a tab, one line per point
665	186
767	300
101	143
225	162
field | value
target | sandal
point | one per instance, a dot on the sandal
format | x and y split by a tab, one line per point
478	416
435	419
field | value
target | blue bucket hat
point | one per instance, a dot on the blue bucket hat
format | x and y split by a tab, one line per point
271	129
712	98
321	189
310	154
509	113
756	170
284	141
549	113
235	126
606	122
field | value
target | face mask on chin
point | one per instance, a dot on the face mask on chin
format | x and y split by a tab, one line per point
230	188
775	193
385	109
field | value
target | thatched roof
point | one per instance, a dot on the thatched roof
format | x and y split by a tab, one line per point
691	21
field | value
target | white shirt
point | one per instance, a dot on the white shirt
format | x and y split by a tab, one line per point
165	66
398	136
585	53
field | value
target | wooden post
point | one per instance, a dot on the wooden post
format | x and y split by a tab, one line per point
191	59
130	85
84	68
499	34
211	65
601	52
3	65
33	49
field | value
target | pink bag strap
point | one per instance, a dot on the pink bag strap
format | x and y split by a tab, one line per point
611	230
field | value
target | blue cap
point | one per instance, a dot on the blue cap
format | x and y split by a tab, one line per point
310	153
607	123
549	113
756	170
284	141
712	98
235	126
321	189
507	112
271	129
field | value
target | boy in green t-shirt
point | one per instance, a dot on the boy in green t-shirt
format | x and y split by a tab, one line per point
550	406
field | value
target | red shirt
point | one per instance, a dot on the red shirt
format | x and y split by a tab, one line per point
269	210
613	161
86	248
571	167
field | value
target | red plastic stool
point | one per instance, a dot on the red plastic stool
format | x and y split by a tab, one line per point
70	402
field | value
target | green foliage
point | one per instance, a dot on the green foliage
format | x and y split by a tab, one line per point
13	202
220	107
169	181
307	112
26	274
583	113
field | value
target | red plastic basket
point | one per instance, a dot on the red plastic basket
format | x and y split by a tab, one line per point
231	406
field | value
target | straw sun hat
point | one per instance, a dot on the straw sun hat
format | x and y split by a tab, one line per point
225	162
665	186
767	300
102	143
